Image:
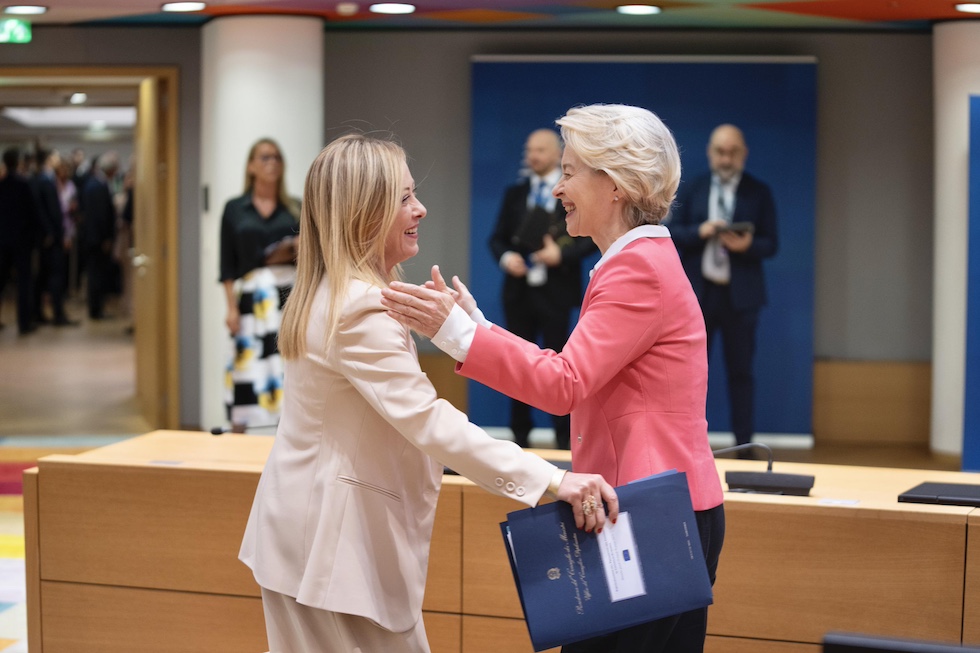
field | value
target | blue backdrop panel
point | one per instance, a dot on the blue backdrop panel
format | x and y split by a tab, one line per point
971	389
774	104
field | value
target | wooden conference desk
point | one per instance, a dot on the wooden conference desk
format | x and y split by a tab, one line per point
133	547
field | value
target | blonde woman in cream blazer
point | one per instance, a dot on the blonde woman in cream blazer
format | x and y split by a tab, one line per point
339	531
634	373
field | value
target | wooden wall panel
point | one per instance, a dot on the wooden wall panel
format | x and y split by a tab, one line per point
488	583
444	584
871	402
96	619
441	370
32	572
494	635
971	613
715	644
445	632
792	573
161	527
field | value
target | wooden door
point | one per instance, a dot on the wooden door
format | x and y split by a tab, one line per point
154	246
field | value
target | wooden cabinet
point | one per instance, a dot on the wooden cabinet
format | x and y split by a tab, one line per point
135	547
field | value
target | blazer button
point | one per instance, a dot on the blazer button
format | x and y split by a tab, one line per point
520	491
579	437
499	482
510	486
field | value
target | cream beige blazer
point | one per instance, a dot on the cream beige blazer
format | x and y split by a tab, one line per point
342	517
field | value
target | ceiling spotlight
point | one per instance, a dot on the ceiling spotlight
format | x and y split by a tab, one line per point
183	6
78	98
969	8
392	8
347	8
25	10
638	10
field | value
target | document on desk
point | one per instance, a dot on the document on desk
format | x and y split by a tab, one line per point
575	585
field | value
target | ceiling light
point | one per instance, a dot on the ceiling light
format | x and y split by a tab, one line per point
78	98
392	8
638	10
346	8
97	125
183	6
969	8
71	117
25	10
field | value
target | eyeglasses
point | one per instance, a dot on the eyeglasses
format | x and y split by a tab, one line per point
269	158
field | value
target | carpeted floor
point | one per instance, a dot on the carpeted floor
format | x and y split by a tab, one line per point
11	476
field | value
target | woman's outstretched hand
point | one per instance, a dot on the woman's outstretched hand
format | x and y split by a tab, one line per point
586	493
422	309
459	292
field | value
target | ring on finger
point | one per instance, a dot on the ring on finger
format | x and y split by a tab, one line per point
589	506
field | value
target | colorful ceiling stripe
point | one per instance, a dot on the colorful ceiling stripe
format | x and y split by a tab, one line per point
541	14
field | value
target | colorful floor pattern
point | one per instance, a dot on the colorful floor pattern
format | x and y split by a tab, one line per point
13	609
16	454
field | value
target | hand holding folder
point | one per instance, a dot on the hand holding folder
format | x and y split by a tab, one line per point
575	585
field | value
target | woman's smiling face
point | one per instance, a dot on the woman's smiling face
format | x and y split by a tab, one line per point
402	242
587	196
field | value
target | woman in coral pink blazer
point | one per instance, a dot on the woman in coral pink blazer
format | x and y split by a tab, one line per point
339	531
634	372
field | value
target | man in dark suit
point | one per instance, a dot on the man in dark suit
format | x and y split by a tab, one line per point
724	226
99	231
541	263
51	265
18	229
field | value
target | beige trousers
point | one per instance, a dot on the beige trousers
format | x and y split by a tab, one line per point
296	628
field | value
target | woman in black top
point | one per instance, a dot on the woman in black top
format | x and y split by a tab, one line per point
258	267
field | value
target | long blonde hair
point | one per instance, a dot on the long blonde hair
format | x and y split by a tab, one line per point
350	201
281	193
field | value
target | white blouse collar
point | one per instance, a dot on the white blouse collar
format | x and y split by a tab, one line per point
643	231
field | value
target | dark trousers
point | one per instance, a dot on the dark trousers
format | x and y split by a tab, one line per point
97	268
51	279
18	258
682	633
536	317
738	347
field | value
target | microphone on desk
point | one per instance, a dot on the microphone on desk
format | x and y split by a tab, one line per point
221	430
767	482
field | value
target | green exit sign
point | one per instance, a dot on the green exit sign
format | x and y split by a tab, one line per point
14	30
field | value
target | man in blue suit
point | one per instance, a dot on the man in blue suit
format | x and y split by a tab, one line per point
724	226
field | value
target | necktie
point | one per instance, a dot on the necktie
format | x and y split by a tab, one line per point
724	212
540	196
715	265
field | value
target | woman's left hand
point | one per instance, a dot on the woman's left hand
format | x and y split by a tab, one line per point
423	310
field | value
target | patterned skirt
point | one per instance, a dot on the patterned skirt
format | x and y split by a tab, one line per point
253	376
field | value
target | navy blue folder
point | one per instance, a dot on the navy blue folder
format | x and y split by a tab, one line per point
561	580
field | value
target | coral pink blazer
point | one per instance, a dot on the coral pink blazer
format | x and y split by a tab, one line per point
633	374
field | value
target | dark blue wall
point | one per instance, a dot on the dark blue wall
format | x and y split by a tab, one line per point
773	103
971	389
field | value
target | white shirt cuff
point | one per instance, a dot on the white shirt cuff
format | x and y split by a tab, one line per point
478	317
456	334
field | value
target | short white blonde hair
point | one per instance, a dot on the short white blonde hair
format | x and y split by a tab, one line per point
635	148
